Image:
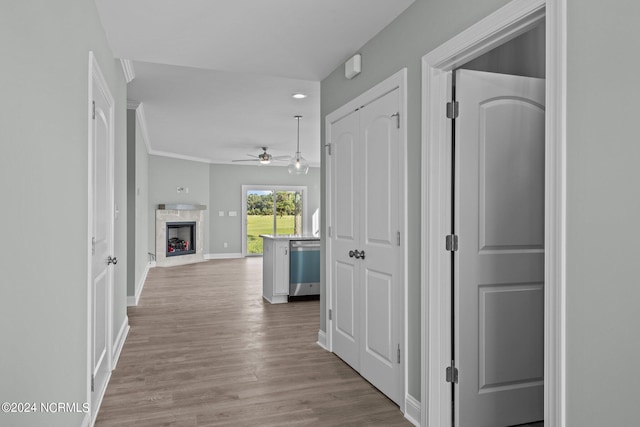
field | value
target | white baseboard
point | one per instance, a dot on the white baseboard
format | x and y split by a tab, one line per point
119	341
412	411
86	421
223	256
132	300
322	339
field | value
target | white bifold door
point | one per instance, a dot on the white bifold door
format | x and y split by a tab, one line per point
499	274
366	293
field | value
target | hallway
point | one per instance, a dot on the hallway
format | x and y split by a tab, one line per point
205	350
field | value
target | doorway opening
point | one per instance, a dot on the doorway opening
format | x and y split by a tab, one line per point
509	22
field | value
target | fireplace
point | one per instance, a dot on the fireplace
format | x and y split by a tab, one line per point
179	234
181	238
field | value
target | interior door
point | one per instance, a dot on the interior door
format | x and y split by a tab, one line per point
102	243
344	239
365	249
499	278
379	344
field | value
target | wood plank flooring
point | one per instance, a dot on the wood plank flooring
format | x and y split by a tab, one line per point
205	350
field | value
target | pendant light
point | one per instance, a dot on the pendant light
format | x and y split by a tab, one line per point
298	165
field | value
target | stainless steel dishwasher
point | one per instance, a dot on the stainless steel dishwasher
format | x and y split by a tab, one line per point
304	268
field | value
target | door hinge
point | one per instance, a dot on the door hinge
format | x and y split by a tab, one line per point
452	375
93	246
329	231
94	110
451	242
330	314
92	382
452	110
398	353
398	238
328	148
397	116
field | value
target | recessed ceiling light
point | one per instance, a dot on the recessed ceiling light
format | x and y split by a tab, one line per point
299	96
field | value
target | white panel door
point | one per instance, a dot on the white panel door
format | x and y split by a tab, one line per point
500	262
345	238
365	214
102	243
378	194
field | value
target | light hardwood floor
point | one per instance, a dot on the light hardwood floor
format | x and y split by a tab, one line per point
204	349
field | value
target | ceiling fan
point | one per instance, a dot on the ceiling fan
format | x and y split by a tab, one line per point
264	158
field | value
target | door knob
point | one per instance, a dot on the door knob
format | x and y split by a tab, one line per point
113	260
351	254
361	254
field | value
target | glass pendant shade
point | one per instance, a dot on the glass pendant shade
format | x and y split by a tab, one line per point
298	165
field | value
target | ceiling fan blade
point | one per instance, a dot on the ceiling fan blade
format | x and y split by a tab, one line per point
280	157
248	160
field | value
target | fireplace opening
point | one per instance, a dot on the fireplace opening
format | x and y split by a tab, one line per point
181	238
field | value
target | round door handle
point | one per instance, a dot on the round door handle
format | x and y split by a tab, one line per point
113	260
361	254
352	254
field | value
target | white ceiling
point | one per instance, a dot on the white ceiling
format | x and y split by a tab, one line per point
215	77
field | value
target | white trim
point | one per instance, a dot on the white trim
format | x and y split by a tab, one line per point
100	393
399	81
141	119
306	226
119	342
506	23
227	255
96	76
555	215
132	105
132	300
412	410
86	421
127	69
322	339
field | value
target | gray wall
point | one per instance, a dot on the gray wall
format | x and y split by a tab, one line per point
138	202
226	194
43	178
603	207
165	176
421	28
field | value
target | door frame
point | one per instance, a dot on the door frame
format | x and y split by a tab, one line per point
301	188
396	81
96	76
506	23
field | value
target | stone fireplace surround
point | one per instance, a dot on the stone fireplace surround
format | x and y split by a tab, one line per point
178	213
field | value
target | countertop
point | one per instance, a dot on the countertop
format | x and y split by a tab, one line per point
289	237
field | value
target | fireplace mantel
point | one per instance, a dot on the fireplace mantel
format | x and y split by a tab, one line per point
181	207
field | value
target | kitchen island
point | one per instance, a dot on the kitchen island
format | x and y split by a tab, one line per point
279	267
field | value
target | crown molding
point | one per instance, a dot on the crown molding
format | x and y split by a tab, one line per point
127	69
142	121
132	105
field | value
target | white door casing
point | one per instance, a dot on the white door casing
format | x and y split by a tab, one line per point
366	204
101	234
506	23
499	275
